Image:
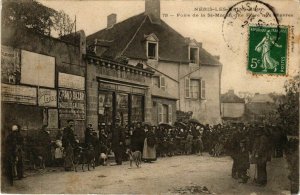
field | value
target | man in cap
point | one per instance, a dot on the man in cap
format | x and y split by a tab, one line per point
118	141
13	154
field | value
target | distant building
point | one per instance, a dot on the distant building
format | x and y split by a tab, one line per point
186	77
261	108
232	106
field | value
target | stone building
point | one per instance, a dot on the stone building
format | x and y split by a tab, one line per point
42	81
186	77
117	90
232	107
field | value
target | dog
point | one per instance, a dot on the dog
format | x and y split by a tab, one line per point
84	156
135	156
37	157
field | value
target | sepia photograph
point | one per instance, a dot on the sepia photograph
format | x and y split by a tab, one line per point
150	96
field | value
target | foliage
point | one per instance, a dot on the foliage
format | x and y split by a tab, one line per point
62	23
289	109
35	16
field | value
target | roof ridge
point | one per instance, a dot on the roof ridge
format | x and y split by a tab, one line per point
134	35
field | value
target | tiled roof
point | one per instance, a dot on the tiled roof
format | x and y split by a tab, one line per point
262	98
231	98
128	38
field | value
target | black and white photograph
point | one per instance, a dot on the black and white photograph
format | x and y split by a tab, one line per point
150	96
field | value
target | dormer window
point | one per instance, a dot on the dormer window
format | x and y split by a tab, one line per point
152	46
194	55
152	50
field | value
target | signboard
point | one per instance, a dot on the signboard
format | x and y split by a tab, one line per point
47	97
37	69
19	94
71	81
52	118
71	104
10	65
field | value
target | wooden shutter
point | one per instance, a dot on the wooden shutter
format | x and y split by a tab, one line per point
203	94
187	87
162	83
160	113
170	114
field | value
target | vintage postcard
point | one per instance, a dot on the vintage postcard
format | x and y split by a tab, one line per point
150	96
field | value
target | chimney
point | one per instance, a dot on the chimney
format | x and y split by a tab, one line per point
111	20
217	57
152	9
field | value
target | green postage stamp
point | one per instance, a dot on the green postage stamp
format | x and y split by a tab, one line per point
268	50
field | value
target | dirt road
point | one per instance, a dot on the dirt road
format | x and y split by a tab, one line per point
179	174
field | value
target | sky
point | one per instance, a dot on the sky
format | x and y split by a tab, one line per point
91	16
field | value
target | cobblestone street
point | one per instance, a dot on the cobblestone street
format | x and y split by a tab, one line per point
178	174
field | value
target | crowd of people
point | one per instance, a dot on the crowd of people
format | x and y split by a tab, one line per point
244	143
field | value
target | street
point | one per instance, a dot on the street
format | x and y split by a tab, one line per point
178	174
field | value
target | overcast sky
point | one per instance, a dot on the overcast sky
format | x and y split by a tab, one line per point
91	17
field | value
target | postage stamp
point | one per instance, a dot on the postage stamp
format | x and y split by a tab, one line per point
267	53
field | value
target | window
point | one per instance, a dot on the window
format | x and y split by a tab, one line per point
194	88
156	81
164	113
187	87
152	50
194	55
170	114
162	83
159	81
203	94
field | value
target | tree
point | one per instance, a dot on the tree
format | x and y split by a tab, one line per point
62	23
35	16
289	110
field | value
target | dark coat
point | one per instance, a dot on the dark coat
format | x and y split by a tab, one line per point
118	136
261	148
68	137
137	140
151	139
14	146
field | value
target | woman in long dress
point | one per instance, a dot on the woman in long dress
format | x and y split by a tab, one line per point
149	150
264	47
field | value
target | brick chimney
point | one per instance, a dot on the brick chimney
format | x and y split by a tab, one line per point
111	20
152	9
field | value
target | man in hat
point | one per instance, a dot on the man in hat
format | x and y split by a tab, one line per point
260	152
118	141
88	133
69	143
13	154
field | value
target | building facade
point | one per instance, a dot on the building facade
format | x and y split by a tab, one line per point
232	107
183	69
43	81
117	90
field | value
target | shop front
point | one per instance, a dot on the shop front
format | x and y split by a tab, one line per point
116	90
120	101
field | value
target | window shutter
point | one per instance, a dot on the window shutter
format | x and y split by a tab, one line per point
187	87
203	95
170	114
162	83
160	113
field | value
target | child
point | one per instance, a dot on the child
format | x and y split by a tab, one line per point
58	154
